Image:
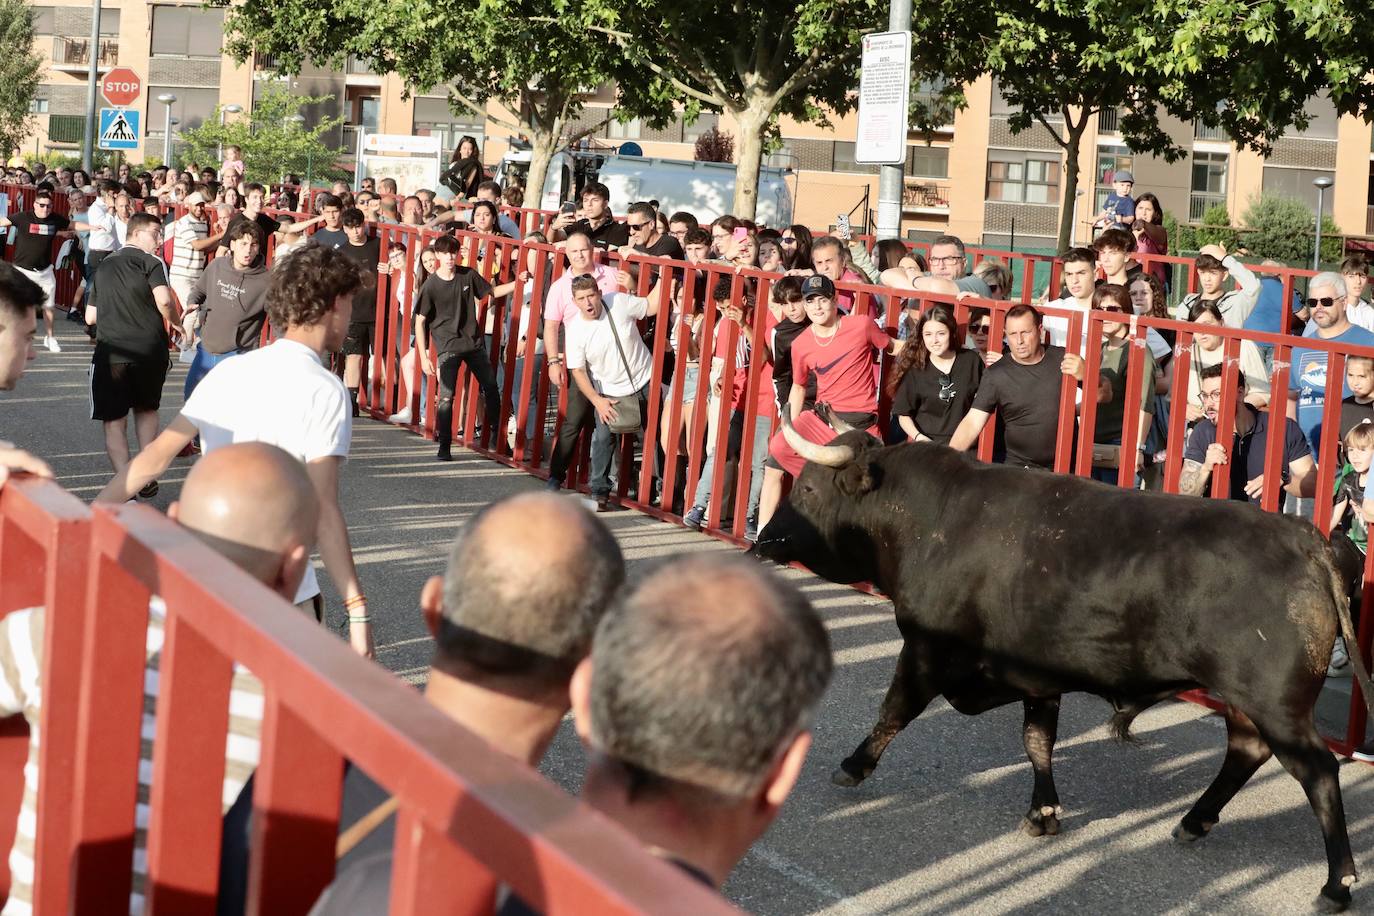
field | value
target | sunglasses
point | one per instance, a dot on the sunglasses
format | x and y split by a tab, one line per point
1112	308
788	240
994	287
638	226
1325	302
946	388
982	329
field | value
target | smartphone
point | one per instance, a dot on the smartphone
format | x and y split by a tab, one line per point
842	225
740	234
568	207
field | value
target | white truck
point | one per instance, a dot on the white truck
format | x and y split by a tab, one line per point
706	189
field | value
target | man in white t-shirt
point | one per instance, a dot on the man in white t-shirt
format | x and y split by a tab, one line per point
1080	265
283	395
608	361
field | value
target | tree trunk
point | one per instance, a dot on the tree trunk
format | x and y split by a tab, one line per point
752	123
543	144
1066	207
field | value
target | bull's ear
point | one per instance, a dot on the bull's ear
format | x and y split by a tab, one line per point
858	477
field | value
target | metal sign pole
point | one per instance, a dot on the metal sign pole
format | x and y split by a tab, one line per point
92	80
890	177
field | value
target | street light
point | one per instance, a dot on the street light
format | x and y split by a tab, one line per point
227	109
299	121
1321	184
167	99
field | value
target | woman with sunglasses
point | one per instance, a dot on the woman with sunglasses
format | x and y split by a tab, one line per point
1210	349
1111	393
934	379
796	247
997	276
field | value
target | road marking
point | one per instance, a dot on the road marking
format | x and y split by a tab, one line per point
805	877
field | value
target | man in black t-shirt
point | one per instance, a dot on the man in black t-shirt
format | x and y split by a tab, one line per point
34	233
134	307
253	197
331	234
642	224
597	220
1024	391
368	253
446	312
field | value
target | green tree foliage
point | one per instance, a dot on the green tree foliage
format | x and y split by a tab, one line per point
1215	228
754	62
271	143
536	59
1247	67
20	71
1282	228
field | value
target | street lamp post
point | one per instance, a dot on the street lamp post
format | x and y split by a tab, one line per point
227	109
1321	185
299	121
167	99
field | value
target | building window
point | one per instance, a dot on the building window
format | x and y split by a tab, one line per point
43	20
928	161
1298	183
704	122
1028	180
626	130
1110	160
109	22
844	160
187	31
1209	182
191	109
39	106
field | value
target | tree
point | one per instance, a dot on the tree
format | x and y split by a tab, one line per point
271	143
1247	67
20	70
714	145
1282	227
538	67
752	61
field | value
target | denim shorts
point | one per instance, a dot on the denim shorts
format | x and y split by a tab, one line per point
689	382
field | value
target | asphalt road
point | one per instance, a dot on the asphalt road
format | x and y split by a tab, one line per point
935	829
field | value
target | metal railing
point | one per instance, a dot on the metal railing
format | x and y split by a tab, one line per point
1107	120
925	194
76	52
1204	132
1199	202
66	128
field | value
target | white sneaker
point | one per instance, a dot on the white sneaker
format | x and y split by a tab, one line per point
1340	660
51	343
401	417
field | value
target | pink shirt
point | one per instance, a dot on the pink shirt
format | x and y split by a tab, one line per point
559	305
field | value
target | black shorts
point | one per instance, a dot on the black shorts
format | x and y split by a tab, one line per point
359	339
117	388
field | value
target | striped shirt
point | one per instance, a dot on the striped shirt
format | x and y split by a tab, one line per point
187	263
21	650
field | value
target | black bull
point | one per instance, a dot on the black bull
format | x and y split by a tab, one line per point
1013	585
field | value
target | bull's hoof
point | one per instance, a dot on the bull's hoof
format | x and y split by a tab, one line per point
1185	835
1332	899
1042	821
849	774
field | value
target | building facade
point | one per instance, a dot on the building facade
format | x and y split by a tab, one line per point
973	177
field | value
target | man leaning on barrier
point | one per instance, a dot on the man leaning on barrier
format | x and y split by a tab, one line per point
528	580
696	706
251	503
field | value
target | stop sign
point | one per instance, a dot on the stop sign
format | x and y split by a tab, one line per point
121	87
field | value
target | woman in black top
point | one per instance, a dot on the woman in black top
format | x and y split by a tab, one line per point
934	381
465	170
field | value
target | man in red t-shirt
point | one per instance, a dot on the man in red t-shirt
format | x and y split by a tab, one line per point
840	351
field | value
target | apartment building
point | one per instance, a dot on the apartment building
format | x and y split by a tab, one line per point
972	177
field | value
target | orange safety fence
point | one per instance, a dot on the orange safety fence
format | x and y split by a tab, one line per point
469	818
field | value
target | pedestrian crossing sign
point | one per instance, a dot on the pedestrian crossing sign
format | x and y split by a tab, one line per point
119	128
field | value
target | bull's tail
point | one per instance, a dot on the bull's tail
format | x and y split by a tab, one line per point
1352	646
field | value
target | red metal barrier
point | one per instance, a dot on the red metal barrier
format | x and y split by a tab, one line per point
468	818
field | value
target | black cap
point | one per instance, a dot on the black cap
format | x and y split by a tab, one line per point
817	285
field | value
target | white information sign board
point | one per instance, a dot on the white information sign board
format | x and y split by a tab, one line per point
884	91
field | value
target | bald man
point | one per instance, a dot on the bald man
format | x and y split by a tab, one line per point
253	504
528	579
695	705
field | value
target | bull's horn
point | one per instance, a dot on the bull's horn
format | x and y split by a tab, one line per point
828	414
833	456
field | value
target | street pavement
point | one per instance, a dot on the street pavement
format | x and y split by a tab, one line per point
935	829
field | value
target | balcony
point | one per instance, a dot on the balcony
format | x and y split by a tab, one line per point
1107	121
66	128
360	73
1200	202
1203	132
1369	221
75	53
924	195
350	138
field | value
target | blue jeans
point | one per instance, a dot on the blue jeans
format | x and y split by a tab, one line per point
604	444
203	362
534	393
762	427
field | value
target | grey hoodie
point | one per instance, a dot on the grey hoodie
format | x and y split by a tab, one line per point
234	303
